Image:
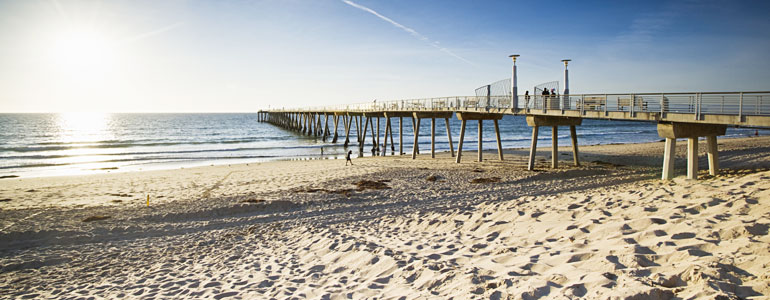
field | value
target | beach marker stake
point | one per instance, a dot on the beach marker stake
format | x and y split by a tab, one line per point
148	200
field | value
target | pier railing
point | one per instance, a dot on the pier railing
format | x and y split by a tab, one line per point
727	103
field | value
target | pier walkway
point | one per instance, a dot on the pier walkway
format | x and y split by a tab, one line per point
678	115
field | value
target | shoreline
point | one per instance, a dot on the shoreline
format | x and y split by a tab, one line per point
204	164
391	227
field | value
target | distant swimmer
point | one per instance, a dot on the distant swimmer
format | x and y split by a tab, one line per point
347	158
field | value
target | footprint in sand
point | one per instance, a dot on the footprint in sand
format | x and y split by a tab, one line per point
683	235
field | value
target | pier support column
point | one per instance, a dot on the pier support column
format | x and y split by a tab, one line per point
499	143
573	135
378	133
374	139
432	137
460	142
481	129
414	124
385	140
358	130
691	131
692	158
449	137
533	149
363	135
390	131
400	136
336	123
309	124
669	153
326	127
303	123
713	155
347	129
554	147
416	146
536	121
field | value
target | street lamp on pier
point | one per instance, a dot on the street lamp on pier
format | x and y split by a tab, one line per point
514	88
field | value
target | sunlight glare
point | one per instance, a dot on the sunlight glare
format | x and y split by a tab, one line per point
82	52
84	127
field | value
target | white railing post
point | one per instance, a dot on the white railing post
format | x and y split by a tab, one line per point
759	105
722	107
662	105
633	103
697	106
606	104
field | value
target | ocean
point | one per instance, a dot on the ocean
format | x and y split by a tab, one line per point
35	145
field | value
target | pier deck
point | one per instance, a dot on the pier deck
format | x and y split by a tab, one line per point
679	115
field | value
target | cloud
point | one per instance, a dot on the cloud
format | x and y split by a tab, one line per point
411	31
150	33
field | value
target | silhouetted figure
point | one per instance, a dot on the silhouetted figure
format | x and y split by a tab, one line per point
347	158
526	98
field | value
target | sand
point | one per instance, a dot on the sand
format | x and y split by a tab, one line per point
397	228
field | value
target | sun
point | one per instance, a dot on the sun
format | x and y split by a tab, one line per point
82	52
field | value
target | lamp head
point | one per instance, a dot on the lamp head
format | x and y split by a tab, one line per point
566	61
513	56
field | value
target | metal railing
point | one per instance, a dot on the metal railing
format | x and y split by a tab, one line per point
725	103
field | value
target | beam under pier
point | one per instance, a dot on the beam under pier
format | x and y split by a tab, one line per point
536	121
691	131
474	116
432	116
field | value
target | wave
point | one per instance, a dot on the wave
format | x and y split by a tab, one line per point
138	160
60	146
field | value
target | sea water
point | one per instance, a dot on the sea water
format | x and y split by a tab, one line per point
34	145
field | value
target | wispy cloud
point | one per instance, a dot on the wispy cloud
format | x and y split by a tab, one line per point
414	33
145	35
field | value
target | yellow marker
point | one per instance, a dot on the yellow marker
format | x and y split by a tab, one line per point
148	200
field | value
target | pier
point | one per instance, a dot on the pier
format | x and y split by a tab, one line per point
678	115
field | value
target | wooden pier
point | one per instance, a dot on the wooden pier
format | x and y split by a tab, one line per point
678	115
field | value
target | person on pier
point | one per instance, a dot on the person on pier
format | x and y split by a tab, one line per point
526	98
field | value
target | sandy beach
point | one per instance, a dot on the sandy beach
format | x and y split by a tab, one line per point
396	228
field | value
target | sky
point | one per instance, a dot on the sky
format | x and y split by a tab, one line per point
242	56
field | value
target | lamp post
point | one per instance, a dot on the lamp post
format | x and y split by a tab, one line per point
514	88
566	76
565	100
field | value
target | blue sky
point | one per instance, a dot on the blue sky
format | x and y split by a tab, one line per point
222	56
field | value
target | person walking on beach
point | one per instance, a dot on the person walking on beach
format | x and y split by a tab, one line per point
347	158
